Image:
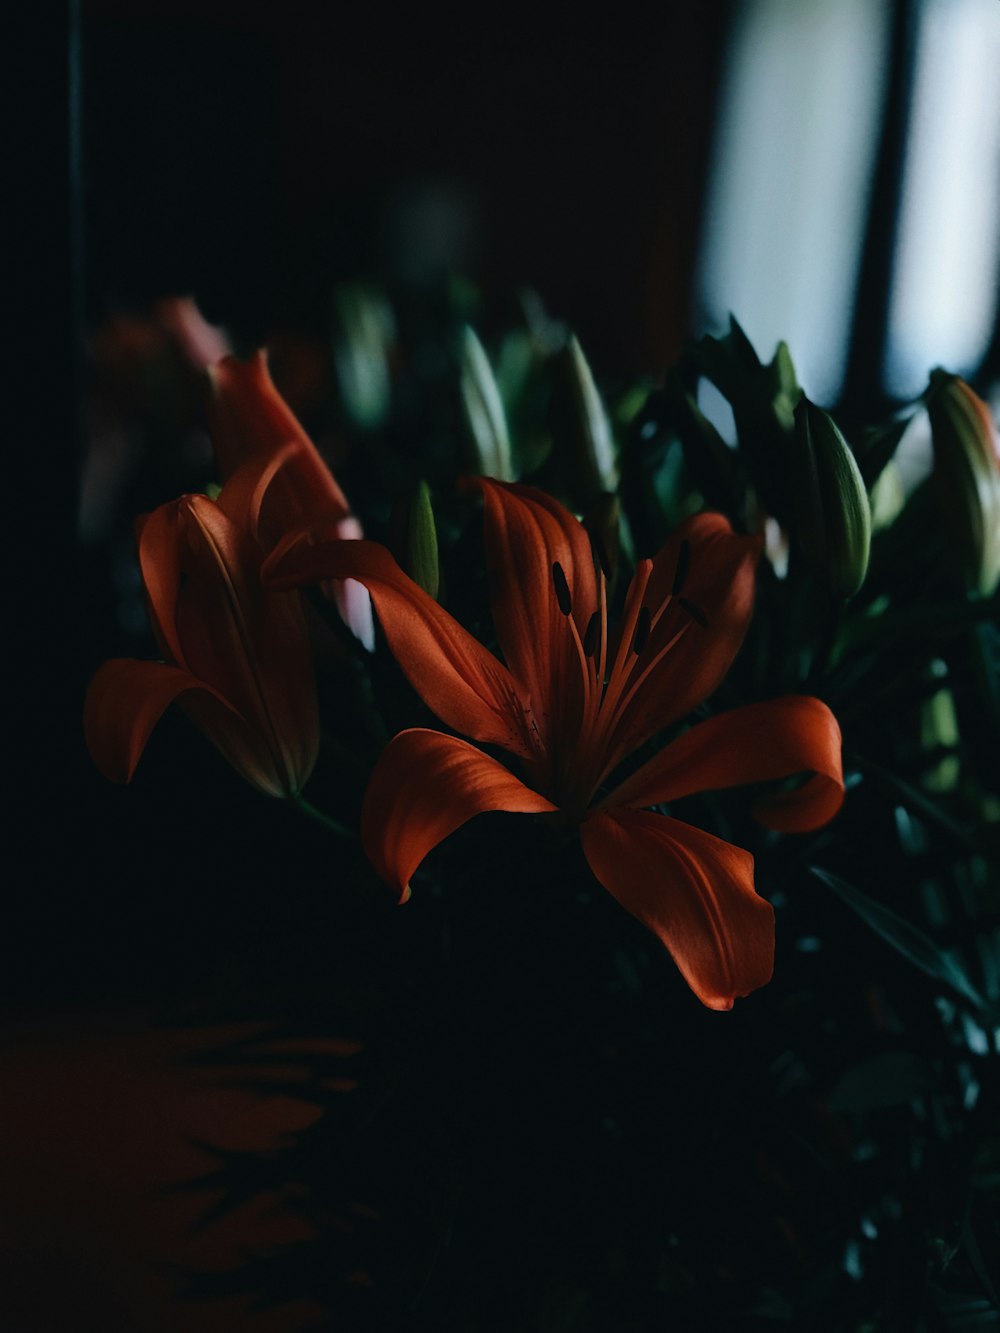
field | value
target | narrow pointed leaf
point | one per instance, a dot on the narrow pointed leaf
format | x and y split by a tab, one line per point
903	936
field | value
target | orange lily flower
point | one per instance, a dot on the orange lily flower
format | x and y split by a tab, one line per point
251	420
237	654
573	700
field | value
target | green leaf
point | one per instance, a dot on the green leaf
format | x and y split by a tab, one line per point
904	937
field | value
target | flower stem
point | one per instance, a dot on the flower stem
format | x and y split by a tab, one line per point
311	812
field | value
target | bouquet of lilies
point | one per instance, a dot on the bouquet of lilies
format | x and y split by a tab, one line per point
752	671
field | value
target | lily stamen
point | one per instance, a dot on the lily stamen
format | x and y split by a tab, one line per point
695	612
563	597
641	636
637	684
633	605
586	665
600	554
601	660
590	634
611	715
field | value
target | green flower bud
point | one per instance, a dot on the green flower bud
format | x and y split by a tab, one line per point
483	411
888	496
830	517
966	477
365	328
415	538
583	438
783	378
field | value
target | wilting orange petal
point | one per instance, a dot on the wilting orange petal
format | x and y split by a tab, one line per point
424	786
761	742
694	892
526	533
452	672
124	702
720	584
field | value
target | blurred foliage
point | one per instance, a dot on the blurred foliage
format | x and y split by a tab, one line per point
548	1131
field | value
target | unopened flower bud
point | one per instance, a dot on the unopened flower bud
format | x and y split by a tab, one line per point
360	351
784	387
420	541
888	496
583	438
483	410
830	515
966	476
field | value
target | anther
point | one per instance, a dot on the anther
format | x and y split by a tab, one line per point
681	572
562	589
590	635
695	612
601	552
641	631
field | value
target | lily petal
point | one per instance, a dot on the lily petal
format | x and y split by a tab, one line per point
246	491
250	419
719	583
275	770
694	892
526	534
761	742
353	599
245	498
124	702
424	786
459	679
247	640
355	606
157	542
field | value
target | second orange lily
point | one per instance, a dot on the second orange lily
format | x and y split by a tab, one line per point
236	654
572	699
